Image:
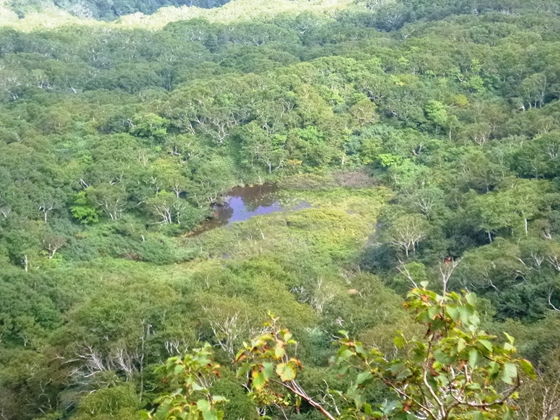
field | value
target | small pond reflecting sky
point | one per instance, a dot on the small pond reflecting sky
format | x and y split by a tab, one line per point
245	202
242	203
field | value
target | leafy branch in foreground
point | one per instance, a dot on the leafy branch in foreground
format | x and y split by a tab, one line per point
456	371
271	371
192	377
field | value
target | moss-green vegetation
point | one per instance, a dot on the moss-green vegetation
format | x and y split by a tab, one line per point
420	133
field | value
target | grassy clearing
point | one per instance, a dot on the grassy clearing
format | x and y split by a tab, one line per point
334	229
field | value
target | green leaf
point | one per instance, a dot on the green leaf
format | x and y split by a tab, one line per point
279	351
443	357
239	354
259	380
528	368
493	369
508	347
473	358
196	387
474	320
286	372
465	313
418	353
509	415
477	415
268	370
433	311
206	410
509	372
471	298
171	361
487	344
210	415
203	405
453	312
510	338
178	369
345	354
360	349
390	406
461	344
404	374
363	377
399	341
397	367
244	369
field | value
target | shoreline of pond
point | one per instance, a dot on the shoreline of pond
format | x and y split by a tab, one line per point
242	203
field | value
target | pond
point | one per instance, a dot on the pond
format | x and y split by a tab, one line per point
243	203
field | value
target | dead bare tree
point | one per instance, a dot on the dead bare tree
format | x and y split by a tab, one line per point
541	400
53	243
228	329
554	308
446	269
46	208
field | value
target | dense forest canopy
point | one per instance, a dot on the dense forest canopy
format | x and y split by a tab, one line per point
422	134
105	10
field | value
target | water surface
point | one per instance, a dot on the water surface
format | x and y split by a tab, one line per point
243	203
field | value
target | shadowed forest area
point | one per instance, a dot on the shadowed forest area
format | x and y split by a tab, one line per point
422	135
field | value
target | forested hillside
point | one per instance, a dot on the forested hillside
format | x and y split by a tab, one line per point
109	10
423	136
